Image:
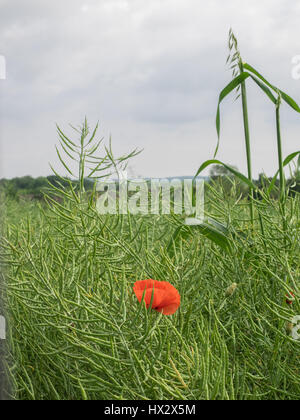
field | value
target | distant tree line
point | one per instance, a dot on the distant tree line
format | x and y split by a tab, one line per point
30	188
222	177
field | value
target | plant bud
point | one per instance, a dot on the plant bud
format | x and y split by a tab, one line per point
289	327
289	298
231	289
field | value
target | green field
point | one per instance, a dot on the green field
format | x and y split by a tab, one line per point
77	331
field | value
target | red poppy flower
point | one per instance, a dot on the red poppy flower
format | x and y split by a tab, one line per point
289	296
166	298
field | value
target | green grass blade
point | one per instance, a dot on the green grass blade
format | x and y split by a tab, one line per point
290	101
215	235
286	161
265	89
229	88
242	177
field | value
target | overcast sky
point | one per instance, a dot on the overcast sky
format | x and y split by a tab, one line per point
150	71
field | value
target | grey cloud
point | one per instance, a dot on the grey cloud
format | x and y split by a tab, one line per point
151	71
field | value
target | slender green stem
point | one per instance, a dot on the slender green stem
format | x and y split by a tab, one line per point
247	142
280	164
279	150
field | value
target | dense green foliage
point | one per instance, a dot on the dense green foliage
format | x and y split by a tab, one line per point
77	331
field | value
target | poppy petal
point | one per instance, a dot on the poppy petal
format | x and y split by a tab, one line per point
166	298
157	298
168	310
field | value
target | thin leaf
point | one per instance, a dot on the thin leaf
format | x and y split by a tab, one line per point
242	177
229	88
284	96
286	161
215	236
265	89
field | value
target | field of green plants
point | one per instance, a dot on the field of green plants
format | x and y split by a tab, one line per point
75	327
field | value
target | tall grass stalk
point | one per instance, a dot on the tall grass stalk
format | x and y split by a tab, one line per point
238	60
247	143
282	199
279	151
